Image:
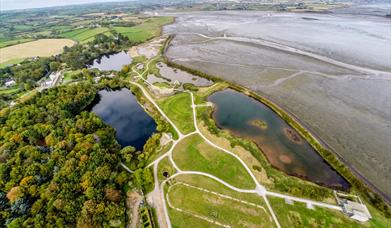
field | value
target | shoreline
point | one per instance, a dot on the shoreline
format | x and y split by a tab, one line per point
302	177
331	157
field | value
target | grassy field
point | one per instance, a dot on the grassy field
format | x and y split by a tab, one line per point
9	90
69	76
298	215
84	35
219	208
6	43
145	31
162	84
178	109
193	153
165	166
11	62
180	220
43	48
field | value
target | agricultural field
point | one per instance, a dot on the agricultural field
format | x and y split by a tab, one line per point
84	35
10	62
178	108
193	153
145	31
42	48
6	43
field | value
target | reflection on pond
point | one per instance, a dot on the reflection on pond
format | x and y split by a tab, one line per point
282	145
120	110
112	62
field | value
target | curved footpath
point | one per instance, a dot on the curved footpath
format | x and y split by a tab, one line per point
157	196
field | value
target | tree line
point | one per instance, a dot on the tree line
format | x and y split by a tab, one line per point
59	165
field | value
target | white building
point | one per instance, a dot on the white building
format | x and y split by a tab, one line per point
356	210
10	83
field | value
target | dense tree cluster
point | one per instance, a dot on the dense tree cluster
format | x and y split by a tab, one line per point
27	73
59	165
80	55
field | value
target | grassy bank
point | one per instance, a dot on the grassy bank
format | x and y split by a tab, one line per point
178	109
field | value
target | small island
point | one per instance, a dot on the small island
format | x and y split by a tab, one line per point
259	123
293	135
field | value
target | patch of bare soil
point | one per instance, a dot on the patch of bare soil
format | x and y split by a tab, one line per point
133	200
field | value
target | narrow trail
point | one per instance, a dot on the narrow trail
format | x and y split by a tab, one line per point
157	195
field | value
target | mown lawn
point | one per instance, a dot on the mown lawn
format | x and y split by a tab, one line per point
217	208
182	220
178	109
145	31
298	215
165	166
194	154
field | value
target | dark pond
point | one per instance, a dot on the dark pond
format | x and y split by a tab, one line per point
112	62
119	109
284	148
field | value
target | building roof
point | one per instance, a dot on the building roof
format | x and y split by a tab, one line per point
356	210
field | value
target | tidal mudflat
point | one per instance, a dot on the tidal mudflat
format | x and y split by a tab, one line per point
331	71
120	109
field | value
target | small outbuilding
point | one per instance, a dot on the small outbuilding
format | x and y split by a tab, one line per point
353	207
356	210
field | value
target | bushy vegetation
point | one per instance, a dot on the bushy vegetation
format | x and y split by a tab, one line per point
78	56
59	165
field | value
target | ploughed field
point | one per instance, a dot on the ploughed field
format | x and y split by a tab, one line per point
331	71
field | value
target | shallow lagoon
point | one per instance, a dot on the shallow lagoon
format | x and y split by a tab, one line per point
282	145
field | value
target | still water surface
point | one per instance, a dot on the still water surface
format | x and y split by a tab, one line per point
112	62
120	110
284	148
